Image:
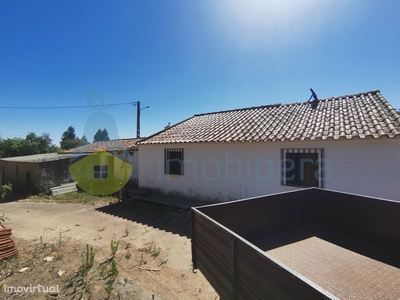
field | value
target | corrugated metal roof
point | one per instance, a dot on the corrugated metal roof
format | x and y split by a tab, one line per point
353	116
40	157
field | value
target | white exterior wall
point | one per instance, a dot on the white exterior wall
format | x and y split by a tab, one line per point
232	171
133	159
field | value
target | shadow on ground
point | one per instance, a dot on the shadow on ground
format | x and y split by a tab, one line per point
12	198
174	220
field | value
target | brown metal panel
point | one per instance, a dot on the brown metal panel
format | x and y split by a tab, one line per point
215	243
261	216
215	277
372	219
219	258
211	253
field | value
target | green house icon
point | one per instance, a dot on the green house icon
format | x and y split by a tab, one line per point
100	173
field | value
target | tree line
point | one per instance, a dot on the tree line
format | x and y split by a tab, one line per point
69	139
34	144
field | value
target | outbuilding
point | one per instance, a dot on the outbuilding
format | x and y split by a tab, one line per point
37	173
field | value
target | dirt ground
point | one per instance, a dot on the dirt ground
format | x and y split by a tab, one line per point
152	260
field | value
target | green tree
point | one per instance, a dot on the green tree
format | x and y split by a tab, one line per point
12	147
32	144
40	144
69	139
69	134
83	141
69	144
101	135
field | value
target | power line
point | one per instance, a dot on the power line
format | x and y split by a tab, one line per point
62	107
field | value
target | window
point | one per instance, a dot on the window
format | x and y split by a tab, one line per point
302	167
173	161
100	171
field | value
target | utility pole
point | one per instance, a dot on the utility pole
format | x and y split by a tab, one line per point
138	110
138	120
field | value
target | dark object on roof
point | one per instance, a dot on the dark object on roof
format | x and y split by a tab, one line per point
314	103
353	116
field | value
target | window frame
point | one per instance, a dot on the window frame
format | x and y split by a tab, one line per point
320	167
102	170
168	170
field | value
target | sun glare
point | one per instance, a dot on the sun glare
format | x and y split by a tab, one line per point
253	22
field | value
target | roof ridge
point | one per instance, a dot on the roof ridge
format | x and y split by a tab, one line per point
237	109
287	104
115	140
373	92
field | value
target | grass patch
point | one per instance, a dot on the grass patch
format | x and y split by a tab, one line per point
83	197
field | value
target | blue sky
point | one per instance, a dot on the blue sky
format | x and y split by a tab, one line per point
186	57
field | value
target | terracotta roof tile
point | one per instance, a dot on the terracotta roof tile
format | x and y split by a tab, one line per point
353	116
113	145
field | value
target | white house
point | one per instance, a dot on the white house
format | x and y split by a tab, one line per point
349	143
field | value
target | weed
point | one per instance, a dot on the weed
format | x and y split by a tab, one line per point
87	260
141	261
82	197
128	255
87	286
128	245
114	248
4	189
80	284
103	273
59	240
70	280
11	265
109	286
152	250
45	247
3	218
89	256
155	252
113	269
126	231
113	272
163	261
